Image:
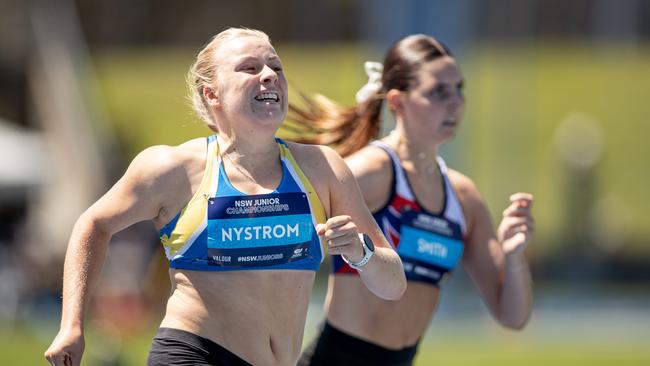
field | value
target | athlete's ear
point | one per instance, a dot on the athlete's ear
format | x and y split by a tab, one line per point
394	99
210	96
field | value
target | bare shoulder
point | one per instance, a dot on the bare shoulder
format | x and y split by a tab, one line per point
371	162
468	195
326	162
163	167
156	179
370	159
463	185
314	160
170	175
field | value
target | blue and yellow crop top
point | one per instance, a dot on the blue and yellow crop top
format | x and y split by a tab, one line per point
222	229
429	244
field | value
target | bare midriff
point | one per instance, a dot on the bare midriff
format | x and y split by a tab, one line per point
259	315
390	324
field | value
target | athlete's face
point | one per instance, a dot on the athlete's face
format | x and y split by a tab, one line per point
433	106
250	83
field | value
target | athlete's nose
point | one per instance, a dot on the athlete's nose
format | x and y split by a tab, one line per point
457	101
268	75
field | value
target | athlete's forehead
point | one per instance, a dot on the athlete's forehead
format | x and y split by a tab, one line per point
442	70
240	49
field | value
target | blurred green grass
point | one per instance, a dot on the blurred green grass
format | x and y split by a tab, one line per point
25	348
487	353
516	97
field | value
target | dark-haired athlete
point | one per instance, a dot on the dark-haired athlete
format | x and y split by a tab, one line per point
433	216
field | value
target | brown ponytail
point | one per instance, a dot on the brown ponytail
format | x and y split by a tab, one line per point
323	121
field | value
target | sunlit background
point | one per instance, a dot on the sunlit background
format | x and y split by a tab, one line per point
557	105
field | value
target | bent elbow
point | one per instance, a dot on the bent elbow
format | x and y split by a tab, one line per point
89	222
396	291
402	287
392	295
515	324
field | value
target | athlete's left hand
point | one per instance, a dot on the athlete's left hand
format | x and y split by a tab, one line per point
516	228
342	237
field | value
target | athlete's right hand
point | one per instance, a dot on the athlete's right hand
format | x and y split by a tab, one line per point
342	237
67	348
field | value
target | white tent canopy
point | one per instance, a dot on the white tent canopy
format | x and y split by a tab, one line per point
22	156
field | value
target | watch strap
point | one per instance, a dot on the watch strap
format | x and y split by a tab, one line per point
367	254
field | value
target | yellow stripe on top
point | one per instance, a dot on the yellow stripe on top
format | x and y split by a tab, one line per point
193	218
317	209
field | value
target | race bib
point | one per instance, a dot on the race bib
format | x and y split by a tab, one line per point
426	239
259	230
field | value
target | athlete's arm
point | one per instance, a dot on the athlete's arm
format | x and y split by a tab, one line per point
384	274
373	170
496	264
137	196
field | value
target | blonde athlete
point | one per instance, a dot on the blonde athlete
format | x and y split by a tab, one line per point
432	215
241	215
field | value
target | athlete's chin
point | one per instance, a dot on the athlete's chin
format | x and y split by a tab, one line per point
271	122
447	134
271	115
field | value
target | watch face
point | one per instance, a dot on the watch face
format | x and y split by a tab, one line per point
369	242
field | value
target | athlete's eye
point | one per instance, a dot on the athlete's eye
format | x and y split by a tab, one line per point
248	68
440	92
445	92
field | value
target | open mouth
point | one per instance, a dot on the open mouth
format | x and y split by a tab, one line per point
449	122
268	97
